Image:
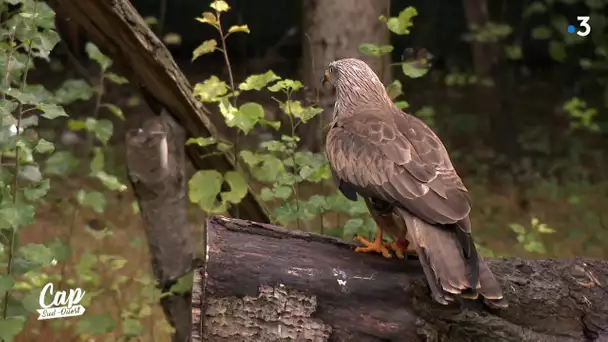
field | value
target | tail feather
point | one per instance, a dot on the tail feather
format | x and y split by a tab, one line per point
449	272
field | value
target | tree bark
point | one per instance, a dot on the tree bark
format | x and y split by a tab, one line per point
264	283
118	29
486	63
334	29
157	169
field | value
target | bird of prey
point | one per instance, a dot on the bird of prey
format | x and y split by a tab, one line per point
403	171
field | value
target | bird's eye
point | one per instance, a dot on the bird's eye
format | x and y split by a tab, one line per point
331	69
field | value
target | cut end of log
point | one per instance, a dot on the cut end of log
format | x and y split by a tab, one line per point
276	313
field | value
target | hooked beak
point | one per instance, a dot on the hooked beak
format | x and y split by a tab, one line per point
325	78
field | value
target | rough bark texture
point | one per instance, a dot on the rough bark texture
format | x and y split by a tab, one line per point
334	29
263	283
156	163
121	32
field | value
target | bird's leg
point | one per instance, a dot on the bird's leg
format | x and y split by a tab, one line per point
376	246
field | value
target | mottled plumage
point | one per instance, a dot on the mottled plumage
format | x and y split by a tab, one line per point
402	168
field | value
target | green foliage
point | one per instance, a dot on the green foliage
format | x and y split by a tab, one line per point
530	238
33	163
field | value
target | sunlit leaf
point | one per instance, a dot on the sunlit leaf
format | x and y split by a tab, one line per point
239	28
296	109
286	85
258	82
220	6
16	215
172	38
206	47
238	187
208	18
201	141
44	146
248	115
95	54
92	199
114	78
374	50
402	23
114	109
394	89
210	89
203	189
51	111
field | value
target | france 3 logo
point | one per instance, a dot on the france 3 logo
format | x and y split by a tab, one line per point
583	27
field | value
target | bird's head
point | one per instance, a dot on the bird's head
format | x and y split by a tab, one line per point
354	79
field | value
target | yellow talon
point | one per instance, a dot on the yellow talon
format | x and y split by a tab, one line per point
377	246
395	248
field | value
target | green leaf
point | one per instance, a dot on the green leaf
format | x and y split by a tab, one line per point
208	18
10	327
95	324
61	163
266	194
92	199
95	54
535	8
517	228
296	109
114	109
541	32
30	173
109	181
286	85
210	89
132	327
51	111
248	115
352	226
98	162
37	192
6	283
208	46
38	254
401	24
374	50
220	6
201	141
114	78
513	52
557	51
203	189
16	215
414	69
283	192
183	284
73	90
102	129
44	146
239	28
258	82
238	187
402	104
394	89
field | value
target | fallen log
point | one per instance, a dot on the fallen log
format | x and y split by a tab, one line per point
118	29
264	283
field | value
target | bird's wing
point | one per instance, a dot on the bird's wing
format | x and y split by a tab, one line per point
398	159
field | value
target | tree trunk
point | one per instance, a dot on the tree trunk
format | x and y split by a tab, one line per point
118	29
264	283
486	62
157	169
334	29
